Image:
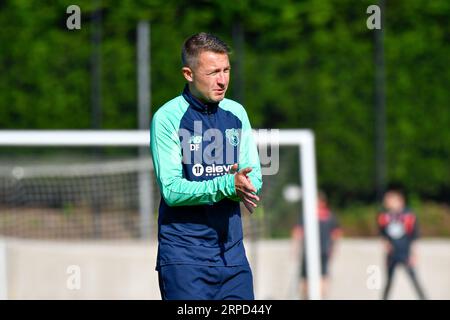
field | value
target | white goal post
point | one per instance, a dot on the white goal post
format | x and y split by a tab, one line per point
304	139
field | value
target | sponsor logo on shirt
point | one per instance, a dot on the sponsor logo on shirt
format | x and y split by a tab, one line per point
211	170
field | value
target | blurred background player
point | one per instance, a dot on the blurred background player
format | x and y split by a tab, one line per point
329	232
399	230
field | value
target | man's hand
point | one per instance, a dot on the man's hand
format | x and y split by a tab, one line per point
244	187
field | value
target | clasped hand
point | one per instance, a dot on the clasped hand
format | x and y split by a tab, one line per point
244	187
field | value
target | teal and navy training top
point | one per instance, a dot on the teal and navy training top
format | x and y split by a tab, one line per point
194	146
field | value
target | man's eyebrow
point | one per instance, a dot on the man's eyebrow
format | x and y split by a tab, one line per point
218	69
212	70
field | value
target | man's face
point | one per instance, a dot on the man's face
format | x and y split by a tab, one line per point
209	78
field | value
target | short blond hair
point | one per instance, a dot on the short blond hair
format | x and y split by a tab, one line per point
198	43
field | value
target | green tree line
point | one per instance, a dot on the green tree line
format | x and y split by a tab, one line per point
302	64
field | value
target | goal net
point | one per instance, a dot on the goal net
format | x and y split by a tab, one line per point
78	200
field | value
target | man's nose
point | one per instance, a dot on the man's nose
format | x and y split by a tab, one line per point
221	78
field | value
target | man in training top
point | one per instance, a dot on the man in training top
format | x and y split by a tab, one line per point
206	163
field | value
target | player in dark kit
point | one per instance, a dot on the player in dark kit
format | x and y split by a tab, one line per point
399	229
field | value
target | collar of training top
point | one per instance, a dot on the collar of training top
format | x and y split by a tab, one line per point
207	108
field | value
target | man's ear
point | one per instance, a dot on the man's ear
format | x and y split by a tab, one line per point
187	73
